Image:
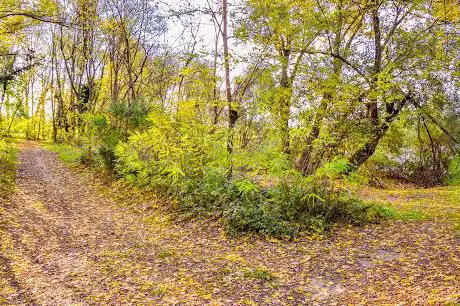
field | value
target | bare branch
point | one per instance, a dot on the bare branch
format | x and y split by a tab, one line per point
31	15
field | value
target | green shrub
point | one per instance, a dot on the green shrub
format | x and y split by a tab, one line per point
454	171
288	209
178	157
293	205
208	196
171	153
253	213
107	155
129	116
104	137
106	130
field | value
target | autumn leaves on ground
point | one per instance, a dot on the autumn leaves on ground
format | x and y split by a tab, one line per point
71	238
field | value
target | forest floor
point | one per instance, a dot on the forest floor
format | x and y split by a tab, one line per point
68	237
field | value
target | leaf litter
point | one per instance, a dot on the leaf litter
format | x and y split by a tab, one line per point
69	237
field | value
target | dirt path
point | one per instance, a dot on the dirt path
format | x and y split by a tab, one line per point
66	240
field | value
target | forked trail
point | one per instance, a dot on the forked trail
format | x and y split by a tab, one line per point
66	239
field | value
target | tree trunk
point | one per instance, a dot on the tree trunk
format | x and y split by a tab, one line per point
285	101
363	154
373	111
232	113
303	164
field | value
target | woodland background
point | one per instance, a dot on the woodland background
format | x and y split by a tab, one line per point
255	112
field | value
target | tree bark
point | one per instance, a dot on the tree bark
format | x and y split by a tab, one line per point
304	162
232	113
366	151
285	101
373	111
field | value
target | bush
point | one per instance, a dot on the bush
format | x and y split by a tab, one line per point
454	171
293	205
107	155
180	159
171	154
208	196
253	213
288	209
106	130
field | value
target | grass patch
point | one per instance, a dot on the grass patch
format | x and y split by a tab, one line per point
437	203
389	212
166	253
67	153
8	157
411	215
262	274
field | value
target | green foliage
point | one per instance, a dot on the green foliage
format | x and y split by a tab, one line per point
265	159
108	129
208	196
334	169
261	273
8	153
129	116
253	213
454	171
172	150
285	209
296	204
178	158
106	137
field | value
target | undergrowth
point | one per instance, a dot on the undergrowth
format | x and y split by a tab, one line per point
454	171
188	166
8	154
293	205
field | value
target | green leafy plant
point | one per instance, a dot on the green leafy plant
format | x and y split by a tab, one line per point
260	273
454	171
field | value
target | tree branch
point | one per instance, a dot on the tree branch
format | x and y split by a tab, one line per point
344	60
10	76
47	19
